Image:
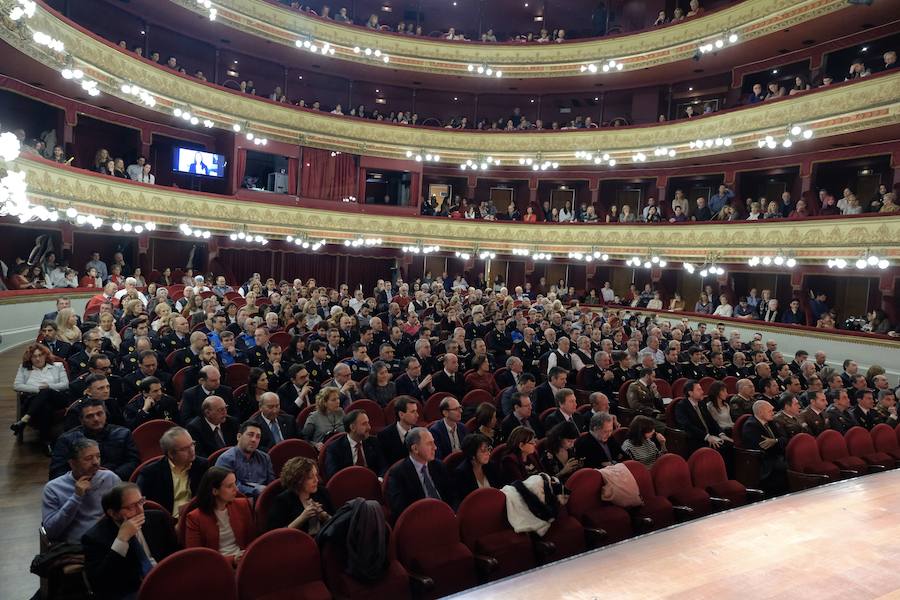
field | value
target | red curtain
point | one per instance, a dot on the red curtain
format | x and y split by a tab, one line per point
327	177
293	172
240	165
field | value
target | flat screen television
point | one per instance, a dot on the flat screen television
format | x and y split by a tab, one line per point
198	162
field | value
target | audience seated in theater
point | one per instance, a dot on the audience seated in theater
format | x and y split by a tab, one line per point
275	427
213	429
117	449
391	439
355	448
599	449
566	412
125	544
644	444
150	404
173	479
839	416
252	467
419	475
476	471
520	460
42	383
758	433
304	504
222	521
693	417
209	383
558	457
72	501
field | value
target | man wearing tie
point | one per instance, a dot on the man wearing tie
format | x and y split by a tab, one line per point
419	475
701	428
125	544
411	383
521	416
275	426
355	448
449	432
448	380
213	429
392	438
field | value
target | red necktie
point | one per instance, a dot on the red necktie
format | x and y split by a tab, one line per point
360	456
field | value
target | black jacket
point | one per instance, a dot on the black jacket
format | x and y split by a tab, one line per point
193	397
113	576
543	398
286	424
688	420
155	481
445	384
338	456
405	487
511	422
118	453
286	507
464	478
404	386
556	417
589	449
165	408
392	448
205	438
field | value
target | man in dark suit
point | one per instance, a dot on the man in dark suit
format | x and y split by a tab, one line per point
125	544
694	419
839	416
864	412
179	461
526	385
419	475
449	380
599	448
521	416
566	410
274	426
411	382
449	432
758	434
512	374
599	377
298	392
209	383
148	366
391	439
49	338
545	394
213	429
355	448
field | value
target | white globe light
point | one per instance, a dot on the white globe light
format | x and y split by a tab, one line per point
872	260
791	263
807	134
778	260
861	264
796	130
767	260
883	264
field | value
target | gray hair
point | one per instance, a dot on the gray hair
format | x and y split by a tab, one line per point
599	419
414	436
80	445
758	406
339	368
167	440
512	360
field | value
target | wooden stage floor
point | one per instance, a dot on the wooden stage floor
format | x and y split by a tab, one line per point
837	541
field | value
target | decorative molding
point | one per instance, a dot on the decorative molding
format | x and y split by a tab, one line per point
60	187
751	19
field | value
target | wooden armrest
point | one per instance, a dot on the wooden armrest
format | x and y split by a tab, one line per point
421	584
683	513
486	564
720	503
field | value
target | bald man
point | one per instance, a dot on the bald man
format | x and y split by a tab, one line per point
213	429
758	433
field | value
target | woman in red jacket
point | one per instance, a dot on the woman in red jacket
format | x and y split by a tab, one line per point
221	521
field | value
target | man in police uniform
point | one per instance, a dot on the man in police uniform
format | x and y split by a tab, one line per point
190	356
148	366
839	416
716	368
770	392
787	421
257	355
742	402
814	415
276	371
93	344
387	354
151	404
528	351
497	341
694	368
360	364
669	369
179	338
318	367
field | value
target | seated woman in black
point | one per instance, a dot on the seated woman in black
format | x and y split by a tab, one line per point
558	457
476	471
520	460
303	504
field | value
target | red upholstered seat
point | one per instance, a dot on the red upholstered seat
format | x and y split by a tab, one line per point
354	482
433	407
567	536
585	506
146	437
373	410
860	444
178	380
426	542
285	450
485	529
283	563
191	573
885	440
476	397
672	479
708	473
237	374
264	503
656	508
833	449
394	584
802	454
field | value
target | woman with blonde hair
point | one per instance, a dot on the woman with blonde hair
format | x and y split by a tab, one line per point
67	326
163	313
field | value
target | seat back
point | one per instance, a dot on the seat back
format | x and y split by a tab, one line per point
859	441
141	467
832	445
303	415
476	397
885	439
432	410
737	430
212	458
802	451
424	528
178	381
623	391
322	474
190	573
678	387
372	409
181	530
663	387
642	476
237	374
707	468
670	475
481	513
282	338
498	452
670	413
285	450
454	459
585	485
264	503
354	482
731	384
146	437
277	563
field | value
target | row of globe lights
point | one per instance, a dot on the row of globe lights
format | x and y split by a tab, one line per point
861	263
537	165
186	115
212	11
128	227
423	156
304	243
44	39
256	139
142	94
597	158
361	241
374	54
421	249
778	260
705	270
795	131
247	237
325	47
88	85
191	232
25	9
589	256
483	164
718	43
648	263
485	70
709	143
605	67
533	255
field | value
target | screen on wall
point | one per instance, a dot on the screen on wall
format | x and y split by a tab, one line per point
197	162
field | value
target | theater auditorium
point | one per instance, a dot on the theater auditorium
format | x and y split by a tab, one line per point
418	299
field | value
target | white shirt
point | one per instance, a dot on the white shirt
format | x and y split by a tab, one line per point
121	294
724	310
227	542
576	363
608	294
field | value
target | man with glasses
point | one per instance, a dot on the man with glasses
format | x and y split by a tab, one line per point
449	432
125	545
297	393
93	346
172	480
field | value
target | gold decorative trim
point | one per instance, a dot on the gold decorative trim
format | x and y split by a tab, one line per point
61	187
867	104
750	19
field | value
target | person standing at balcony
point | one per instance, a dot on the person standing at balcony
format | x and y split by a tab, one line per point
134	171
718	200
890	60
757	95
682	201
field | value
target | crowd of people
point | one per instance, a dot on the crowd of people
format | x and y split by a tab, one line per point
558	374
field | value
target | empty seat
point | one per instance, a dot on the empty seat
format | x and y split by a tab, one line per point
672	479
283	563
833	449
427	543
485	529
708	473
656	508
190	573
805	465
285	450
606	523
146	437
354	482
860	444
885	440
